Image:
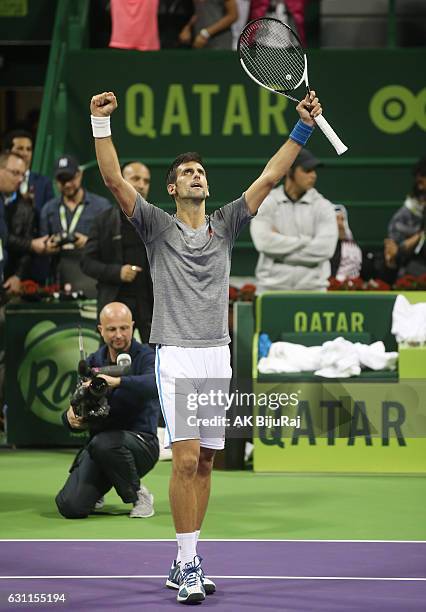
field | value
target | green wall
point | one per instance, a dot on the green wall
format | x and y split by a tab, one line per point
171	102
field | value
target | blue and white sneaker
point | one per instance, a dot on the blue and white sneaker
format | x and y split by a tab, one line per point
191	589
172	581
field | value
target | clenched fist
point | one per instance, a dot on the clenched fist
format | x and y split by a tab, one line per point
309	108
104	104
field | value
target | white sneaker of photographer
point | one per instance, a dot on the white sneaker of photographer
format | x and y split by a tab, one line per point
100	503
144	506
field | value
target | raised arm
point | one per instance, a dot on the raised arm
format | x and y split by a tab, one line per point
280	163
101	107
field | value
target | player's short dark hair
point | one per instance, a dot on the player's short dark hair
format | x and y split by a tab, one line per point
10	136
420	167
183	158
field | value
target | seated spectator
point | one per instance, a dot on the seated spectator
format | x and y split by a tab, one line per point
21	230
35	189
173	15
67	220
346	262
135	25
405	248
116	257
210	25
12	268
12	170
295	232
11	173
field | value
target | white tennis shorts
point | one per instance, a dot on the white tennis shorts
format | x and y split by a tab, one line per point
193	384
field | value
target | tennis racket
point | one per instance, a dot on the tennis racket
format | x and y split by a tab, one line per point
273	56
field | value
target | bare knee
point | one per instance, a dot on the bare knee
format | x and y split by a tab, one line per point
185	465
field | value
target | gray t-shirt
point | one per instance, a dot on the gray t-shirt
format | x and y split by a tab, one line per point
190	272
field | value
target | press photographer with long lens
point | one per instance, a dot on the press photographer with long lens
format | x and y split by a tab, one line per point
121	419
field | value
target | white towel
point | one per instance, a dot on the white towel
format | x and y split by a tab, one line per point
338	358
409	321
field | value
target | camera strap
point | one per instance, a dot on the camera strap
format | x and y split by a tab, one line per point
75	218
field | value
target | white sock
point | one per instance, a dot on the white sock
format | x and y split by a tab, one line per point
187	547
197	536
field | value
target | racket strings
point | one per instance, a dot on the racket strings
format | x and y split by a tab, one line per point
272	56
276	64
283	76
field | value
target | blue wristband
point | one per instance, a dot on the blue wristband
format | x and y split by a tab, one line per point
301	133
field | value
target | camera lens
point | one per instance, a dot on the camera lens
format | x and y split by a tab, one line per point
98	386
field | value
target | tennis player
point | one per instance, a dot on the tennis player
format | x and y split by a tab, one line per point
190	258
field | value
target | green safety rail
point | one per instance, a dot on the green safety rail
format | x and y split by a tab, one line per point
70	33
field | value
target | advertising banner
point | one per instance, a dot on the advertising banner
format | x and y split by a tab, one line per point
340	427
42	355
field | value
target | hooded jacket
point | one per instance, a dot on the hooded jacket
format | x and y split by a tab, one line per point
295	241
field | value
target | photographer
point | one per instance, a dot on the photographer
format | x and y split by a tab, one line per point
123	445
67	220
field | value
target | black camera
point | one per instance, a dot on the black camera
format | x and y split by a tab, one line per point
89	401
61	239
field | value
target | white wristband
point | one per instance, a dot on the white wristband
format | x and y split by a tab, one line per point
101	126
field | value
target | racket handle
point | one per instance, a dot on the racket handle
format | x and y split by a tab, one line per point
330	134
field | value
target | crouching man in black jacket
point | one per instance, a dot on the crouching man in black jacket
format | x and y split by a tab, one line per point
123	446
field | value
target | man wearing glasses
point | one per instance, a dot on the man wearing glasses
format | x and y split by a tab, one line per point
12	170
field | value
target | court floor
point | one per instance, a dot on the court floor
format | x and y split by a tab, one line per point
251	575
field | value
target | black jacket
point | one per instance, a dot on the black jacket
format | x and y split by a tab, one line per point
103	258
21	223
3	239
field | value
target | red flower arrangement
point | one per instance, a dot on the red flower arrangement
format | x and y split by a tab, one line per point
233	294
245	294
32	291
405	283
377	284
29	287
350	284
411	283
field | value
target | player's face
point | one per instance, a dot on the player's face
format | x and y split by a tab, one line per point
305	179
12	174
117	332
139	176
191	183
23	147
